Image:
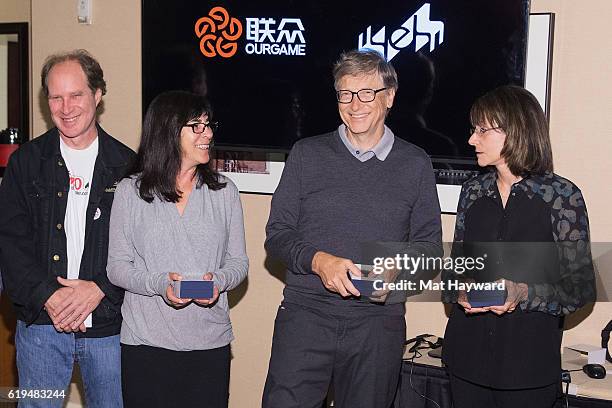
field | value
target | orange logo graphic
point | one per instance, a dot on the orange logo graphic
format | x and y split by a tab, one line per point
218	33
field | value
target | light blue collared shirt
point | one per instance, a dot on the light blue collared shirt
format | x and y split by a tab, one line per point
380	150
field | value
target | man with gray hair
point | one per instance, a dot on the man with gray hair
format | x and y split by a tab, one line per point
55	202
356	185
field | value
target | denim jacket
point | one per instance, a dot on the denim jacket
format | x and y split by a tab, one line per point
33	253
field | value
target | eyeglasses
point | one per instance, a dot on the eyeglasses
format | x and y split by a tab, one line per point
200	127
364	95
480	130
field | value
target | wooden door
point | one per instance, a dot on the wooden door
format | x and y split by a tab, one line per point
8	369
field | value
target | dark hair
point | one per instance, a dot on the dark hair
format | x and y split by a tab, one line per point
91	68
364	61
159	155
527	146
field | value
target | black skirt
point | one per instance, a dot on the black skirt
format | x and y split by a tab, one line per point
157	377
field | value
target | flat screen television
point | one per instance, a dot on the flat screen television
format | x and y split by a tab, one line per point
266	65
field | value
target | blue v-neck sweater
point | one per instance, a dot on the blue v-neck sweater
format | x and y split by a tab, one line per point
328	200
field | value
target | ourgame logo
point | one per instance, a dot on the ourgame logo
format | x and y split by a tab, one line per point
218	33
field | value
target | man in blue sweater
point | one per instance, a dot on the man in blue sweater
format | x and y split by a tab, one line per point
339	191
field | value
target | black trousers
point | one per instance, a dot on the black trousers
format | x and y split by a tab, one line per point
470	395
311	350
156	377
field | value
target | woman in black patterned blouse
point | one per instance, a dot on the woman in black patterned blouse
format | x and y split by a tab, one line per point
533	226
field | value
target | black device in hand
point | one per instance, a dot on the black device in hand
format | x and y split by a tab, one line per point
485	297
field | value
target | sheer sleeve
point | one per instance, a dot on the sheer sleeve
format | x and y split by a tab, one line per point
576	284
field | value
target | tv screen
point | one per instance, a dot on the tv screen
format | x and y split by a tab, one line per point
266	65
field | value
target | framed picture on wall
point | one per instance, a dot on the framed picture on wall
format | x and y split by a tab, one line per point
252	172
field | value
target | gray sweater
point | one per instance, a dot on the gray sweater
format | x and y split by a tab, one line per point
328	200
149	240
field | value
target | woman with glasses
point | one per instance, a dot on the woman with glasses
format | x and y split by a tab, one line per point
175	219
530	227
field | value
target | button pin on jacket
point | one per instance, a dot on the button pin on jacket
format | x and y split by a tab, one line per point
97	214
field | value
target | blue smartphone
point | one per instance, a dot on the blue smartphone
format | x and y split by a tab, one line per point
485	298
194	289
365	283
365	287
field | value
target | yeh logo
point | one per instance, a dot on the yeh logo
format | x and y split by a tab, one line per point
418	28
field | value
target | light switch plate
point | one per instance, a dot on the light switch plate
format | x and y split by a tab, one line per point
84	14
